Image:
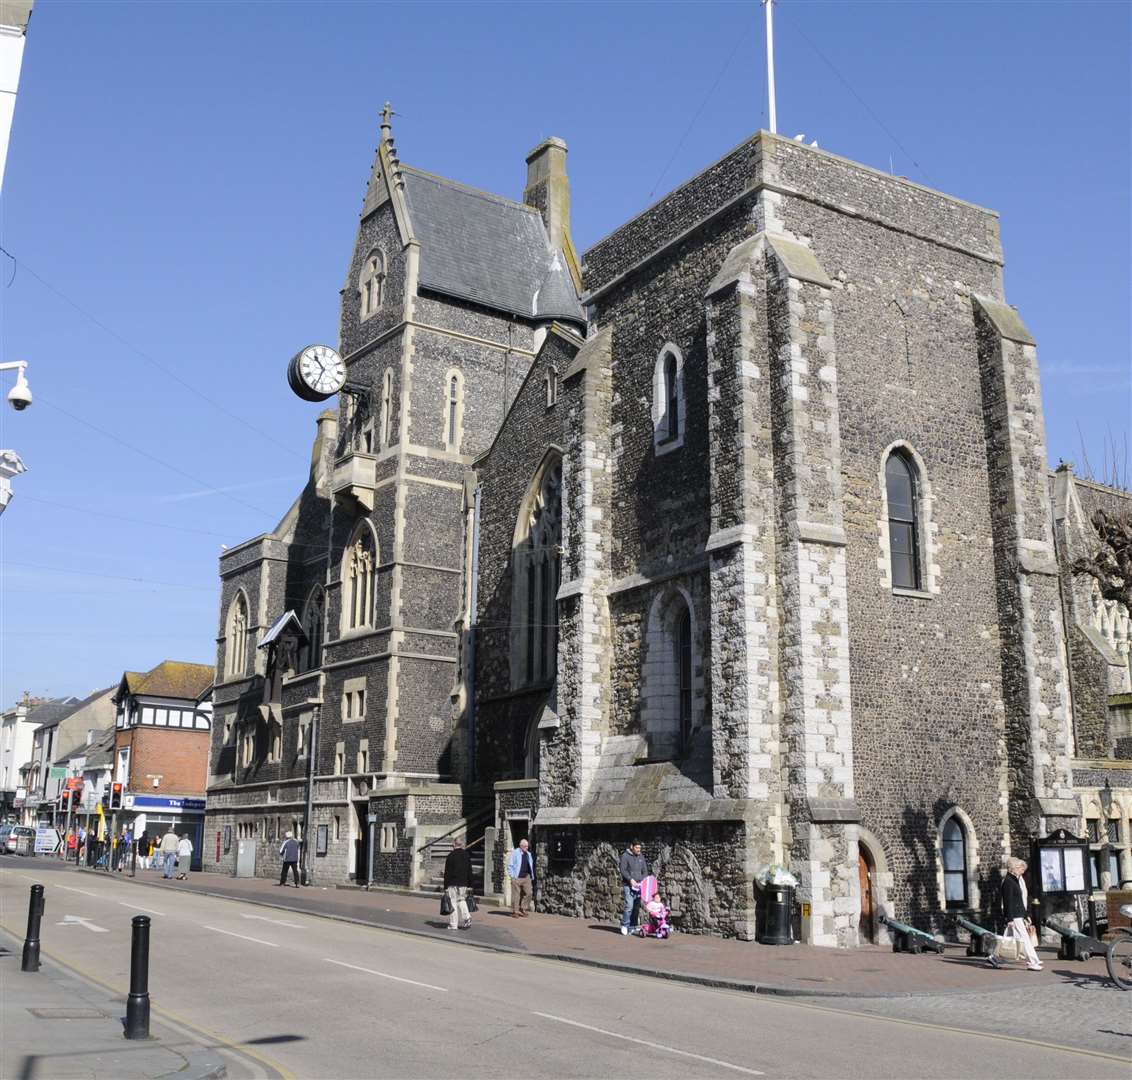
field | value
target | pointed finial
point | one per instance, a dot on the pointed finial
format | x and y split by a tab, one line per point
386	122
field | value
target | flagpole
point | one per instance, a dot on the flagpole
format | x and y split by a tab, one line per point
769	6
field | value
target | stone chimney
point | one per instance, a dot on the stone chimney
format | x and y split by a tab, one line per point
548	189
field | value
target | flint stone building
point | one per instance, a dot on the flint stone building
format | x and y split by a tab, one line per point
735	535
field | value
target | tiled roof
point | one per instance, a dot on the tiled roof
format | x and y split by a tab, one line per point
487	249
172	679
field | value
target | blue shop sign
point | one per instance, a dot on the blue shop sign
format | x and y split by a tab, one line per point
154	802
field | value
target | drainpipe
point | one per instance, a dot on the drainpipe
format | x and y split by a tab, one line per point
472	628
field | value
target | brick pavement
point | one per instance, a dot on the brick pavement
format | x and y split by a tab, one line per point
795	969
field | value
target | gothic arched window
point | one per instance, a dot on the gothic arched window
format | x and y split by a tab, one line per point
536	570
901	486
314	615
359	571
954	845
386	408
236	649
453	409
371	283
668	400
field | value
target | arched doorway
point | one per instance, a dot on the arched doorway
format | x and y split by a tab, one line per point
866	870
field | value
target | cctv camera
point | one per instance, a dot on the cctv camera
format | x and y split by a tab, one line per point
19	397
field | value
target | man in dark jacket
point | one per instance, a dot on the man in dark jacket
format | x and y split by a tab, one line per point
1015	910
633	868
289	853
457	882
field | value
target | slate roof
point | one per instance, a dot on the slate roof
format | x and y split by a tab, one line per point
171	679
100	753
487	249
51	712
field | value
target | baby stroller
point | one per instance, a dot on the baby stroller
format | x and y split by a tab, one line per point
656	914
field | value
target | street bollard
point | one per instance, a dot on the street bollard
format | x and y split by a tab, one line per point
137	1004
31	942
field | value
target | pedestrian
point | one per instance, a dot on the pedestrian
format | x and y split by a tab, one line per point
143	849
289	853
72	846
457	882
184	857
634	869
168	852
127	848
1015	909
521	871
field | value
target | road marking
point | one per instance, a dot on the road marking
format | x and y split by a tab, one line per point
653	1045
258	941
138	907
71	888
76	920
277	922
382	975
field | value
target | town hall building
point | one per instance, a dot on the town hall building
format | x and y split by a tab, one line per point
734	534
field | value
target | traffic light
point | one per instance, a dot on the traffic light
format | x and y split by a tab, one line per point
105	800
115	796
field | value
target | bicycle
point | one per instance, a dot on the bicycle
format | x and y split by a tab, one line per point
1118	958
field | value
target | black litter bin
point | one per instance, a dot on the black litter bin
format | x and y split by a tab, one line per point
776	927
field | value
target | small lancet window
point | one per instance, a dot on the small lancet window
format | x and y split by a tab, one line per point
901	484
360	571
672	395
454	410
954	853
386	408
684	667
668	400
551	387
371	284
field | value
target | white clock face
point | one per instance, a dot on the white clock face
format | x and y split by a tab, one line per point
322	369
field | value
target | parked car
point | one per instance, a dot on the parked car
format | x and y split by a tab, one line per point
17	839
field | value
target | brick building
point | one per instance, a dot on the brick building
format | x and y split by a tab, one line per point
735	535
161	740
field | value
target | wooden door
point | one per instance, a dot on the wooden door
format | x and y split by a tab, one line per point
865	872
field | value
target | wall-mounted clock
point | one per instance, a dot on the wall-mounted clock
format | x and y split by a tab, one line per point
316	373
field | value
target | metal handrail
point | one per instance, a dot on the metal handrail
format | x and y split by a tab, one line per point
468	822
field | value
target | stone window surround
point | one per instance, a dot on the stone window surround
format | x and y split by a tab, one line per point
379	276
339	759
239	643
662	444
551	386
313	660
453	440
350	687
551	459
971	850
345	601
929	549
660	672
363	756
388	839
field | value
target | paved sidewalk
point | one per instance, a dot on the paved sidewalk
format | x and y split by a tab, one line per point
59	1025
793	969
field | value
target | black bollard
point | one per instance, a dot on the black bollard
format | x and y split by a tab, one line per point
137	1004
31	942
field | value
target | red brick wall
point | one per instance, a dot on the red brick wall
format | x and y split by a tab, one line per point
179	757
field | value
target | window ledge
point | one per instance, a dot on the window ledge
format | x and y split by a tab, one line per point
913	594
666	445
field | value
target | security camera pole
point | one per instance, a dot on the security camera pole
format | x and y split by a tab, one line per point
20	398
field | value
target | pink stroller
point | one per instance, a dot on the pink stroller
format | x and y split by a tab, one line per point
656	914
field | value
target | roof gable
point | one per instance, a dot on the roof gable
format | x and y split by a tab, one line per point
487	249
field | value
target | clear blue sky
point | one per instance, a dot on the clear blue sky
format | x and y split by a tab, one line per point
190	175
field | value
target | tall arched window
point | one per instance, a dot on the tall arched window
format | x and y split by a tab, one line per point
371	283
453	409
536	569
671	696
236	648
668	400
903	521
358	575
313	619
386	408
954	844
551	386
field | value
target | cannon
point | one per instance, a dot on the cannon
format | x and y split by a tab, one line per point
982	939
908	939
1074	944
